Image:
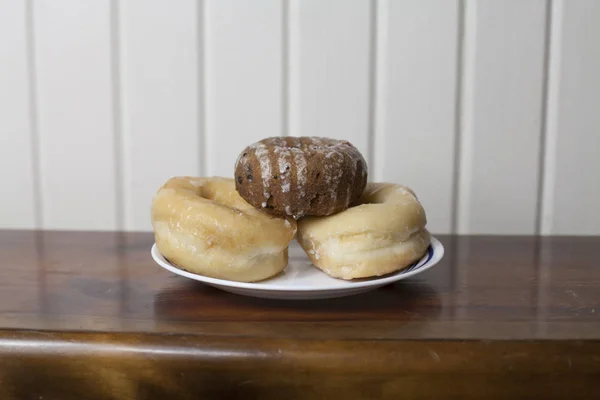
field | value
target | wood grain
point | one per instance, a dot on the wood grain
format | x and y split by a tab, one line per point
90	315
191	367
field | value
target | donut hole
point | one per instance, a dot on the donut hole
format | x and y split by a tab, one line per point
211	192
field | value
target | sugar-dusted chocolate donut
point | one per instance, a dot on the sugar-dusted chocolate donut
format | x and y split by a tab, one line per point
300	176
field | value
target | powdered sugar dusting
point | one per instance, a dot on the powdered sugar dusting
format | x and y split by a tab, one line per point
335	176
348	192
283	162
300	160
316	140
262	154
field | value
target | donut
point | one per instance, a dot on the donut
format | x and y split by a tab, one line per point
383	233
300	176
203	226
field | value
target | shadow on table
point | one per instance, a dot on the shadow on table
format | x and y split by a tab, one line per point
192	301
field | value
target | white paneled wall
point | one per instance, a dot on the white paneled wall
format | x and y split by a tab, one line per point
73	80
571	196
417	54
158	72
330	67
18	136
488	109
243	57
503	64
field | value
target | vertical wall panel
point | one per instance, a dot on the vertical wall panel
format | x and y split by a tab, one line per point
501	115
243	77
330	67
77	145
416	101
571	194
159	80
17	208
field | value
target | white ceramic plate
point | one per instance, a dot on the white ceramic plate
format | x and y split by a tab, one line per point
301	280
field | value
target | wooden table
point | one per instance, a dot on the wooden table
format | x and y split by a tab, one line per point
91	316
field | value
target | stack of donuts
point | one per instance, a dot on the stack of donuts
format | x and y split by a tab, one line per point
311	189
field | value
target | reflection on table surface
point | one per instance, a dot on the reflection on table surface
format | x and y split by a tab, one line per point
485	287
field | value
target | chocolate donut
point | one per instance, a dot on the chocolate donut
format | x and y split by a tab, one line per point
300	176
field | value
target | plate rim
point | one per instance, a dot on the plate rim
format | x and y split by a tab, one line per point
436	245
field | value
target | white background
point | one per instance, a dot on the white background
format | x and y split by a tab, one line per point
488	109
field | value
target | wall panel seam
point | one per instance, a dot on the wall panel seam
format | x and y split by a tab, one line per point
117	110
203	140
285	68
543	117
33	116
550	128
373	80
458	111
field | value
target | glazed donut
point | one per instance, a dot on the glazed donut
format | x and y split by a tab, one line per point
384	233
203	226
298	176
